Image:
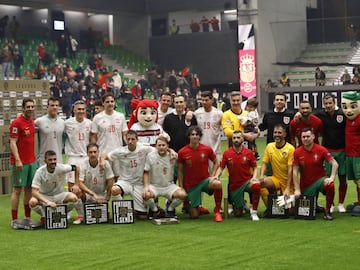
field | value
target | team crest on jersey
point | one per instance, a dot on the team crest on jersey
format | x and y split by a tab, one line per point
27	132
286	120
244	159
339	118
202	156
140	154
284	154
316	157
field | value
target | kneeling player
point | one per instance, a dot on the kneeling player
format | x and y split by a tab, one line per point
158	179
48	187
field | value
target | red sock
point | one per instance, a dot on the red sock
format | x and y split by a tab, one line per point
330	193
14	214
255	195
27	210
186	204
217	198
358	192
42	220
342	192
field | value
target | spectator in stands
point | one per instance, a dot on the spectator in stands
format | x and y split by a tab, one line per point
100	62
92	61
194	26
172	81
18	61
73	47
345	78
285	80
195	84
62	46
127	97
215	23
319	77
144	84
6	58
80	74
115	83
352	35
181	81
136	91
40	52
205	24
174	28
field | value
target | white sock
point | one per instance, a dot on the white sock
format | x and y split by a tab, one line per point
175	203
151	204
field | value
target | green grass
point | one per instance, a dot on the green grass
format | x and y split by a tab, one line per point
192	244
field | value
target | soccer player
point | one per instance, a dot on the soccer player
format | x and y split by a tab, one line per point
130	160
22	158
193	173
48	187
209	120
164	109
108	128
77	131
241	164
304	119
94	181
333	139
50	129
158	179
308	162
279	155
280	115
230	121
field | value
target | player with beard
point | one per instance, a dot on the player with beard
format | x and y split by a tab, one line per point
241	164
279	155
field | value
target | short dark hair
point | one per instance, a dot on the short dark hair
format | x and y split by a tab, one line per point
329	95
91	145
194	128
107	94
52	98
252	102
26	100
308	129
49	153
207	94
98	103
162	138
280	126
132	132
280	94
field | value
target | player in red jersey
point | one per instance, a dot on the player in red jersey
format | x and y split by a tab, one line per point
22	158
193	173
308	161
241	164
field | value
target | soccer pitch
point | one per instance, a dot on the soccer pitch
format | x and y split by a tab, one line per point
236	243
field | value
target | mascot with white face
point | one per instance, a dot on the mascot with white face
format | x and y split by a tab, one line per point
350	104
145	122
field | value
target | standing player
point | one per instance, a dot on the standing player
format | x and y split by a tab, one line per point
209	120
50	128
351	106
307	120
48	186
333	139
130	160
95	182
108	128
164	109
158	179
193	173
22	158
279	155
241	164
280	115
77	131
308	162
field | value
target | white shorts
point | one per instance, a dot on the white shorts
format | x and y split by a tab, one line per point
135	191
74	161
58	198
166	192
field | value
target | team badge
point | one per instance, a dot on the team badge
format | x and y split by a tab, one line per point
339	118
284	154
286	120
316	157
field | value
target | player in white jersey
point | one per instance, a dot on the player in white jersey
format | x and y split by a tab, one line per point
48	187
209	120
164	109
77	131
108	128
50	130
95	182
158	179
130	160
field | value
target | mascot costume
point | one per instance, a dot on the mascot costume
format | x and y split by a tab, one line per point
144	121
350	103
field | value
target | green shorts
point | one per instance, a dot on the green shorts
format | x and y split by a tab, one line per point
237	197
353	168
340	159
25	177
194	194
315	188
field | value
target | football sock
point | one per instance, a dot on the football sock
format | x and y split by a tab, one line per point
175	202
329	192
342	192
255	195
40	210
358	193
151	204
14	214
79	208
218	199
264	195
27	210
